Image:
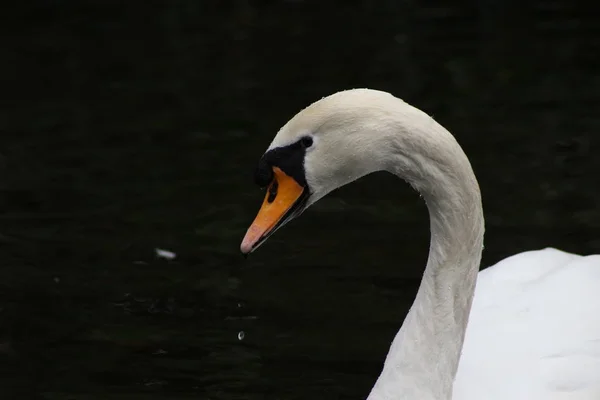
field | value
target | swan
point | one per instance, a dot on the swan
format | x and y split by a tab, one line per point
525	328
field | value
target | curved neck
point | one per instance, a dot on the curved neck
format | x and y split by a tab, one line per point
423	358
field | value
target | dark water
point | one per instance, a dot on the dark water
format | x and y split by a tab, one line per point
130	128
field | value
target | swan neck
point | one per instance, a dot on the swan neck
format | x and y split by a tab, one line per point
424	356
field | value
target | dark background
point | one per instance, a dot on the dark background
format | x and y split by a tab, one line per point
130	126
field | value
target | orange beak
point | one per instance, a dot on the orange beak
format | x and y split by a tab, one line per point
283	194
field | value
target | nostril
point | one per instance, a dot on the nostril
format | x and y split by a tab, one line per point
273	192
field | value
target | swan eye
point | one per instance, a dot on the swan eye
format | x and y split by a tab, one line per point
306	141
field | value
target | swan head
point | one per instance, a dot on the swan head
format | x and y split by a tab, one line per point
323	147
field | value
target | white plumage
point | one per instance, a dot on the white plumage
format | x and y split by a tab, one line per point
534	330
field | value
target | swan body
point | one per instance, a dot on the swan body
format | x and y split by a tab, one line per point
534	330
526	328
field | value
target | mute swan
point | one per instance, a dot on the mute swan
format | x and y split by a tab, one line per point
533	327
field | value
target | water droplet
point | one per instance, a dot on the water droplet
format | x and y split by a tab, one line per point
241	335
